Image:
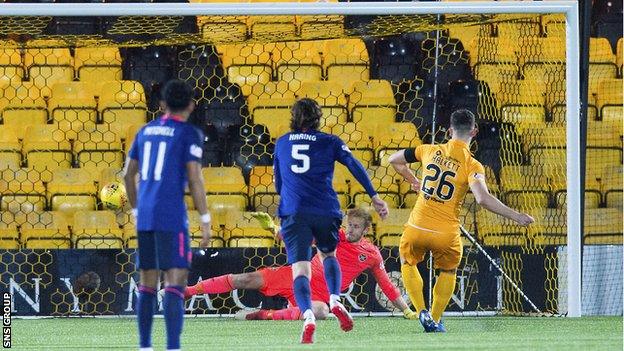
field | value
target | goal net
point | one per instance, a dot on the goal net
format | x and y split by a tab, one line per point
75	90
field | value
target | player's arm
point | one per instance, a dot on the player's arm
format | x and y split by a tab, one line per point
277	176
193	158
130	173
356	168
400	161
390	290
267	223
491	203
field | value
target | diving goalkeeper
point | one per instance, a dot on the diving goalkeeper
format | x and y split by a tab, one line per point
355	255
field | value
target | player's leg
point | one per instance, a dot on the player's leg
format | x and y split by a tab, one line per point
174	257
411	255
297	236
147	263
226	283
446	259
326	235
293	313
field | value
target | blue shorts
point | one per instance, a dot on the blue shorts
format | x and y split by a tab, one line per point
163	250
299	230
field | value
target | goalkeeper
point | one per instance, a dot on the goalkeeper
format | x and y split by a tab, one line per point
355	255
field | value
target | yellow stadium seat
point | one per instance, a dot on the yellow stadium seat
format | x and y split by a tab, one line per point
530	178
545	136
613	114
11	74
525	200
270	105
267	27
372	102
486	50
49	66
497	76
495	230
262	188
340	182
9	234
97	229
517	31
396	135
547	156
10	159
609	93
247	241
389	231
9	138
72	106
599	72
552	228
354	136
98	64
122	103
555	29
222	180
323	26
296	62
108	175
614	199
196	234
46	148
99	147
9	56
22	203
23	181
603	157
524	116
238	202
23	104
247	65
600	50
332	99
46	230
612	178
346	60
607	132
592	199
603	226
72	190
468	34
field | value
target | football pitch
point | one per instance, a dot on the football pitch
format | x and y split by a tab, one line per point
388	333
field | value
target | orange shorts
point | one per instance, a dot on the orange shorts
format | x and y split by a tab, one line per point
446	247
278	281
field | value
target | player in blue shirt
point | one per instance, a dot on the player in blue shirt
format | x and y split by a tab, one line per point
309	208
166	155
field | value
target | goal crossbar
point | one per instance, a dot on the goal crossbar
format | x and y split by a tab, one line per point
569	8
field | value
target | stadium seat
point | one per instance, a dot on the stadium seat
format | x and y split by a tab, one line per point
524	200
72	190
22	104
225	185
48	66
346	60
267	27
609	94
270	104
247	241
592	199
45	148
546	156
372	103
495	230
196	235
72	106
97	64
395	135
122	103
322	26
99	147
524	116
389	231
46	230
619	53
97	230
332	99
497	76
552	228
247	65
488	50
354	137
297	62
614	199
603	226
468	34
529	178
262	188
600	50
341	182
9	234
599	72
11	70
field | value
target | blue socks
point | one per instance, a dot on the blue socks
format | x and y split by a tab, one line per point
333	275
145	314
301	287
173	305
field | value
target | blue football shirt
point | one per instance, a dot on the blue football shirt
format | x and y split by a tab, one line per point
163	147
304	169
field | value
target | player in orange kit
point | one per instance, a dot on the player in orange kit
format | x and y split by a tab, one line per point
448	171
355	255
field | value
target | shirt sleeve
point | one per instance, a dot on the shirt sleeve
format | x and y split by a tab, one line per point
420	152
277	176
476	172
134	149
344	156
381	276
193	146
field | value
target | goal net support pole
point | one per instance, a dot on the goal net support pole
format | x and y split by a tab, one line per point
569	8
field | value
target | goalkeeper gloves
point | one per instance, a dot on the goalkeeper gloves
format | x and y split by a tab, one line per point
265	220
409	314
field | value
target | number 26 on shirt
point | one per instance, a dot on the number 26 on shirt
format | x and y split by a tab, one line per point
297	154
160	160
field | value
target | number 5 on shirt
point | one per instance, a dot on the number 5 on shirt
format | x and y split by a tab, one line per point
297	155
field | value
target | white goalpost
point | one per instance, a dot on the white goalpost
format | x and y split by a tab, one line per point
569	8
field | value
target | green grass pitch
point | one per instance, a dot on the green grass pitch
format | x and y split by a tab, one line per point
468	333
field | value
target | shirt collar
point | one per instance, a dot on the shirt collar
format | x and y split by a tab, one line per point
459	143
176	118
